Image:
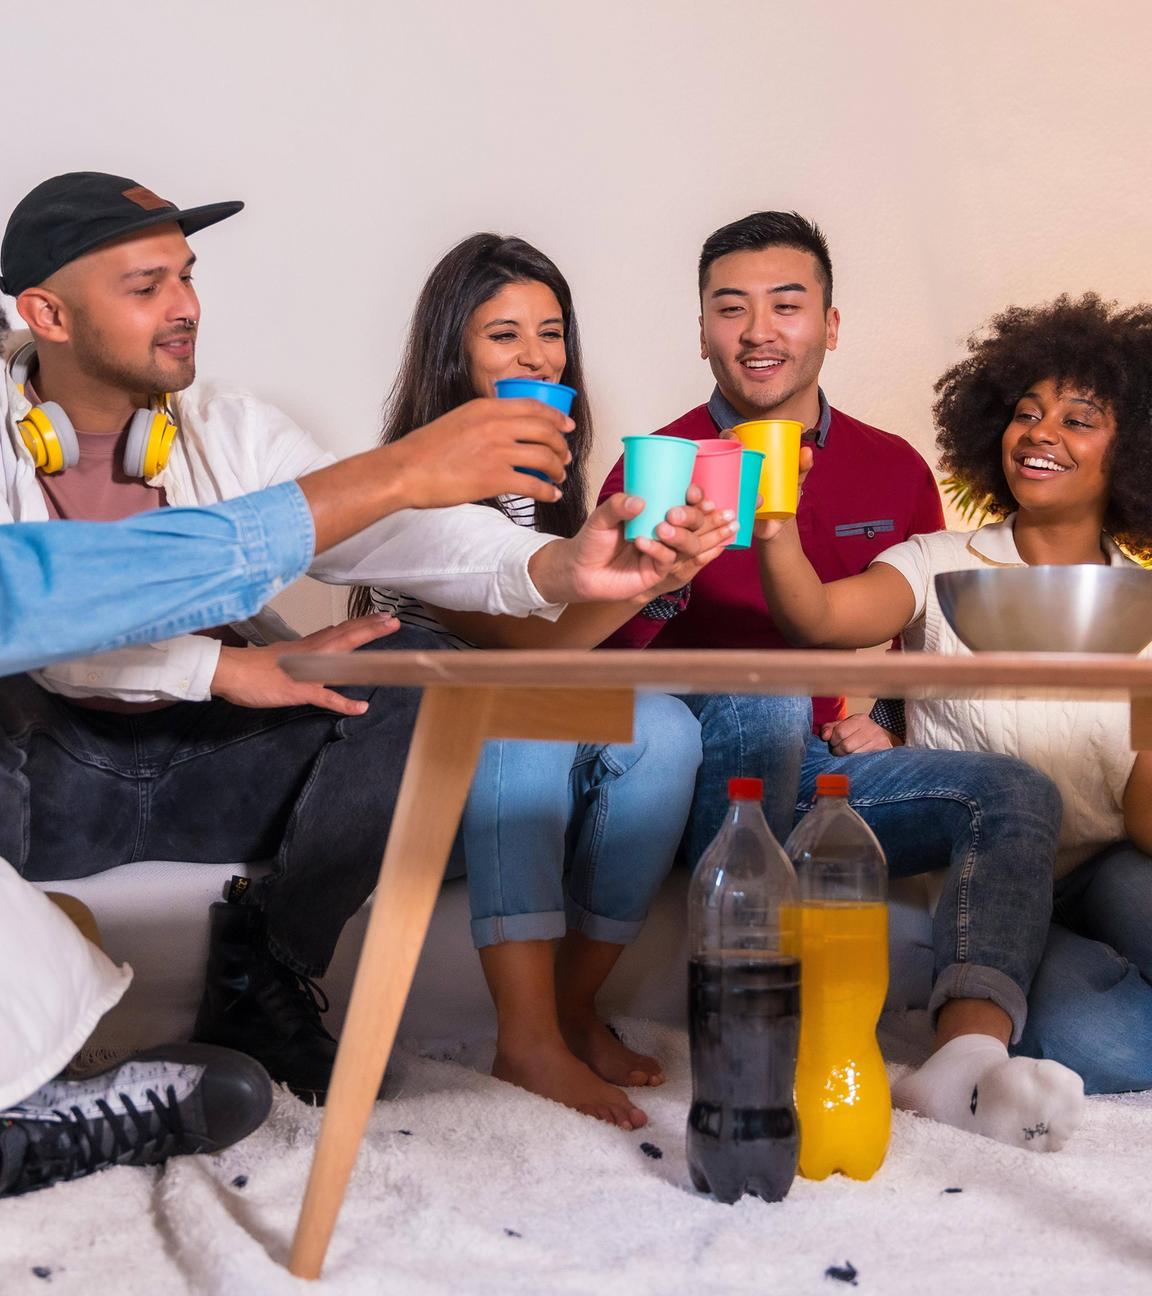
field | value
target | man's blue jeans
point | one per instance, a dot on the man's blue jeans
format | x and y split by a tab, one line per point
746	737
992	822
84	791
1091	1002
562	836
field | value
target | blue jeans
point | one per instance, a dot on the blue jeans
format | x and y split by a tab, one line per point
992	822
609	817
1091	1001
746	737
85	791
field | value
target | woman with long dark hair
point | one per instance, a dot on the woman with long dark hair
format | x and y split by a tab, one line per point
565	844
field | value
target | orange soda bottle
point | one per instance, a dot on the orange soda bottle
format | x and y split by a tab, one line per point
839	931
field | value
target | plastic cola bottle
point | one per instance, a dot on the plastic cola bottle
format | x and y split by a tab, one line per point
839	930
744	1004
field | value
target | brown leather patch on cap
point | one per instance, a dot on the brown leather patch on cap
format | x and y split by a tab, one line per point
146	198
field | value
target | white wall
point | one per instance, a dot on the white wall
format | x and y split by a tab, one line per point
959	158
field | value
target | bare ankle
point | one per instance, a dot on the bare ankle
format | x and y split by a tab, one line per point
972	1017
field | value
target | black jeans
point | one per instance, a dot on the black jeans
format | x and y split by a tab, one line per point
83	791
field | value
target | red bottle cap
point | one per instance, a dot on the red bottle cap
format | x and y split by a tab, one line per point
745	789
832	785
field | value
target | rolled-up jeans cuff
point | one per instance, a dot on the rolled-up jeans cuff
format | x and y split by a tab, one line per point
597	927
975	981
517	927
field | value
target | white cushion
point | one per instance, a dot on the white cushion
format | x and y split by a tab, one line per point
154	916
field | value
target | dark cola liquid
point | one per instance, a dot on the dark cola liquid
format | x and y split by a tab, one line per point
744	1027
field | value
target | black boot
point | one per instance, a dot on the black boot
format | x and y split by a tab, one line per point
255	1004
166	1102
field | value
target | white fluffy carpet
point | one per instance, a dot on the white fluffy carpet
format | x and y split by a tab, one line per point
466	1185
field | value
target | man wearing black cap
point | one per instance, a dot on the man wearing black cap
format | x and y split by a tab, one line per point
139	753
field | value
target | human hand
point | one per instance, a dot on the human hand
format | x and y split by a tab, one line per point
472	453
857	733
599	565
253	677
712	531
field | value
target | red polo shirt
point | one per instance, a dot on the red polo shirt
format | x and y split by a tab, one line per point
867	491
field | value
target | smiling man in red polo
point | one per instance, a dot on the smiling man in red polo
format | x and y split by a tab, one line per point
766	322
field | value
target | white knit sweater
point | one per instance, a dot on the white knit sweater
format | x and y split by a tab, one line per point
1083	746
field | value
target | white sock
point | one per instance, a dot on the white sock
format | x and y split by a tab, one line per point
972	1084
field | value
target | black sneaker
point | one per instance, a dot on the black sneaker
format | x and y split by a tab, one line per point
170	1101
253	1003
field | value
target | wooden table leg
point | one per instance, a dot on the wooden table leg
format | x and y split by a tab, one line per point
1141	731
442	759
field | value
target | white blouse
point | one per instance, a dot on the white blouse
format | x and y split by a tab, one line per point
1083	746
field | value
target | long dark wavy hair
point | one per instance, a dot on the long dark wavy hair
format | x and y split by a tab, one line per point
434	375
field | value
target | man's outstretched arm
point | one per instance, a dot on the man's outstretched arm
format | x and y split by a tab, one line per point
72	588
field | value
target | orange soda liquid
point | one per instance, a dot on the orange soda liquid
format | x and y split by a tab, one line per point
842	1097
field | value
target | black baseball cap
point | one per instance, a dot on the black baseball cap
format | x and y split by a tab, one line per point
71	214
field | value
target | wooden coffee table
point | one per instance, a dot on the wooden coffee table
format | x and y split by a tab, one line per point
470	697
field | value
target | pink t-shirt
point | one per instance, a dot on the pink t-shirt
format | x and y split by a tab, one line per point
96	489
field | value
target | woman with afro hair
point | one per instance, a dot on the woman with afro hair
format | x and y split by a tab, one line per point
1048	420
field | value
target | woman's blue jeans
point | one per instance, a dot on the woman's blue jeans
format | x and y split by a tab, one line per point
561	836
1091	1001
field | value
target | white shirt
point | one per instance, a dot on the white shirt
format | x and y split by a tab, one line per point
409	610
469	557
1083	747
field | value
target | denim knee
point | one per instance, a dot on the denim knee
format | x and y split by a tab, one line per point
751	736
666	724
1091	1010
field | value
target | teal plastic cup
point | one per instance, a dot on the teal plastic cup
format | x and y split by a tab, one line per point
547	393
751	461
659	470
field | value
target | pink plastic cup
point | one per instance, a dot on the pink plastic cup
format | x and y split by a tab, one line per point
717	472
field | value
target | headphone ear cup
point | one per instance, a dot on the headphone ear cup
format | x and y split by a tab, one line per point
50	437
150	437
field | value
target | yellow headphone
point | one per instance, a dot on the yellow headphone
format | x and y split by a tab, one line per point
47	431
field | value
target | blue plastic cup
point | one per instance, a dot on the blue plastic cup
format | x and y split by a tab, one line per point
751	462
547	393
659	470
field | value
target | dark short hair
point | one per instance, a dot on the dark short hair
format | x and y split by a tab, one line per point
1086	343
770	229
3	328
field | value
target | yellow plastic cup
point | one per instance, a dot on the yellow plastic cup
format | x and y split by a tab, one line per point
778	440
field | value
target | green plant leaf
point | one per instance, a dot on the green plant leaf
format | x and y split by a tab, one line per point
972	508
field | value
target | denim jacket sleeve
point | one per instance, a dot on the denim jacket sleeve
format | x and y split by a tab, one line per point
73	588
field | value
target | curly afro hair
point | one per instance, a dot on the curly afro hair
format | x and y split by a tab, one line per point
1089	344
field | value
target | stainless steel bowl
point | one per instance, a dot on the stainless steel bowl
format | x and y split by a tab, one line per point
1049	609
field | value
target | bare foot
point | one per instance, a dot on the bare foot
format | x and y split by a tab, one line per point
552	1072
593	1042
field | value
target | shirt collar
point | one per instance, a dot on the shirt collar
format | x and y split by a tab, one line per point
996	544
725	415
